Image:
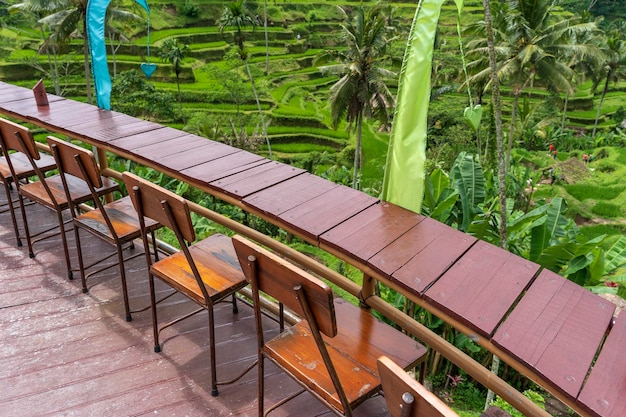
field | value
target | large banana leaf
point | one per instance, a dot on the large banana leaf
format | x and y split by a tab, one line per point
469	181
439	198
554	227
615	256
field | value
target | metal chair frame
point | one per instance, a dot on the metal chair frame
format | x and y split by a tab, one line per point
172	211
119	232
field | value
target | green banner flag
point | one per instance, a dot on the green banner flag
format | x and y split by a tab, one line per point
404	172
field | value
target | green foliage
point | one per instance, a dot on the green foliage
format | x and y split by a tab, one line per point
133	95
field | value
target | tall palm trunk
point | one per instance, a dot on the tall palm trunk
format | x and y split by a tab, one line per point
564	111
357	152
497	106
54	69
267	47
87	66
604	91
258	103
180	102
509	149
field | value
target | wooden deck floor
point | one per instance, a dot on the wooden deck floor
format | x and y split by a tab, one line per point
63	352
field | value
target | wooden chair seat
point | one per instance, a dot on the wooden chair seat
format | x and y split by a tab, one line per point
80	193
217	264
360	340
123	217
23	168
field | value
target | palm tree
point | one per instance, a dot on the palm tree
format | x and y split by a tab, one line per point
39	8
267	44
65	23
614	66
70	21
237	14
532	41
173	52
361	91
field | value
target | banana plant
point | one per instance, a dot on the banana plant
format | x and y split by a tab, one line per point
467	199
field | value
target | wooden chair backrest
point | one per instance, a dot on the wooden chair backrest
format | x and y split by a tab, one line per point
66	153
396	383
16	137
148	200
278	278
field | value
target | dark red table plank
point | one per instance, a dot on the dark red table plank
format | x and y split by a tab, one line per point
556	329
480	288
10	95
370	231
417	258
255	179
131	144
289	194
207	151
326	211
70	113
170	146
27	108
220	167
118	129
604	393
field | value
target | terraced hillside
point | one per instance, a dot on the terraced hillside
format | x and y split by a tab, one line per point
216	95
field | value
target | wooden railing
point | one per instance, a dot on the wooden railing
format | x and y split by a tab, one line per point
542	325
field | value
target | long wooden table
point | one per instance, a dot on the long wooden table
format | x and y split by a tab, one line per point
555	332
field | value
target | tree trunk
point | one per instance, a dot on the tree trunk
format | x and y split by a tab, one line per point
258	103
564	111
180	102
497	105
87	66
54	73
357	152
509	148
267	48
604	91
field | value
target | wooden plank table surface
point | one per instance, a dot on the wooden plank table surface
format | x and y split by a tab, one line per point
258	178
368	232
420	256
325	211
469	281
480	288
272	203
557	329
603	393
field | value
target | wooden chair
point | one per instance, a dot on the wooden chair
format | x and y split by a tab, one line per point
116	223
405	396
48	191
23	171
332	352
207	272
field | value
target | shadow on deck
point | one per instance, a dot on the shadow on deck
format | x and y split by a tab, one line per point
63	352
